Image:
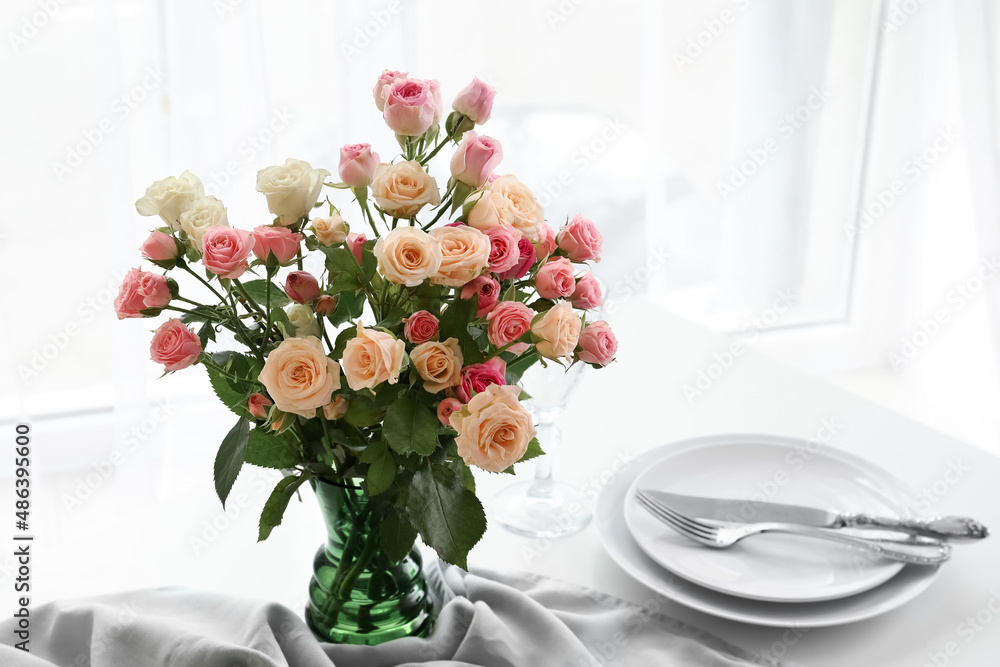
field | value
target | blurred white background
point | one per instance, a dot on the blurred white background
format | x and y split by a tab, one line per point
738	155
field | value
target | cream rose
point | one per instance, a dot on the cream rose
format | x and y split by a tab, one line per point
507	200
439	364
302	318
557	331
170	197
291	189
371	358
402	189
494	429
336	408
330	230
202	214
465	252
299	377
408	256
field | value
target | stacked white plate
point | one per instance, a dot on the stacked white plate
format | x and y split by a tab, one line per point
770	579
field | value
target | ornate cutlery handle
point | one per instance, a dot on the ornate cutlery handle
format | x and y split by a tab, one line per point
922	551
946	527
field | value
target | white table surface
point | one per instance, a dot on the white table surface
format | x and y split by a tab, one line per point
141	525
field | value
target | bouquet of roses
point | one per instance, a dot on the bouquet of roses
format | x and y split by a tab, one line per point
396	367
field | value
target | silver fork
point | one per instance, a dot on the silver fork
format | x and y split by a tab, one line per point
919	550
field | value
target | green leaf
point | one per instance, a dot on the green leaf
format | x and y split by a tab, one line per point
464	473
411	426
516	368
478	333
280	319
381	467
534	450
351	305
455	322
256	290
230	458
396	535
344	282
228	392
363	411
448	516
206	333
340	344
267	450
277	502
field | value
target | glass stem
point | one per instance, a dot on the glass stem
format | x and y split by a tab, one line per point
542	486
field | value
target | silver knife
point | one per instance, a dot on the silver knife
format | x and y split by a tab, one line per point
752	511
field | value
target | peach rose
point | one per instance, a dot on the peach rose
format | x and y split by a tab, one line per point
336	408
446	408
299	376
557	331
408	256
174	345
599	344
331	229
555	279
507	200
402	189
420	327
226	251
439	364
580	240
258	404
371	358
494	429
508	321
465	252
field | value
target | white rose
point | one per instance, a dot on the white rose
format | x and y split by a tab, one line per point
202	214
330	230
291	189
302	318
171	197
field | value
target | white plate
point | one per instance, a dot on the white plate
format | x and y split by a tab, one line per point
772	567
609	518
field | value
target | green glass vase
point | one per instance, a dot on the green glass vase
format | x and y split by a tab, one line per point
358	595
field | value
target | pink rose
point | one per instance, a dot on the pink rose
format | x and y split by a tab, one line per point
356	242
409	106
174	345
420	327
547	239
477	377
446	408
160	247
301	287
475	158
438	100
257	404
507	322
226	250
281	241
384	79
141	290
524	263
488	290
599	344
505	251
587	294
580	240
555	279
357	165
326	305
475	101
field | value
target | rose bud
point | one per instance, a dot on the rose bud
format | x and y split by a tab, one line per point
326	305
475	159
258	405
336	408
330	229
475	101
356	243
384	79
555	279
587	294
547	239
357	165
524	264
301	286
438	100
174	345
160	247
488	290
599	344
282	242
420	327
446	408
409	107
580	240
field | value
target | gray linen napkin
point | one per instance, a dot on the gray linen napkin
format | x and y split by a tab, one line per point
487	619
